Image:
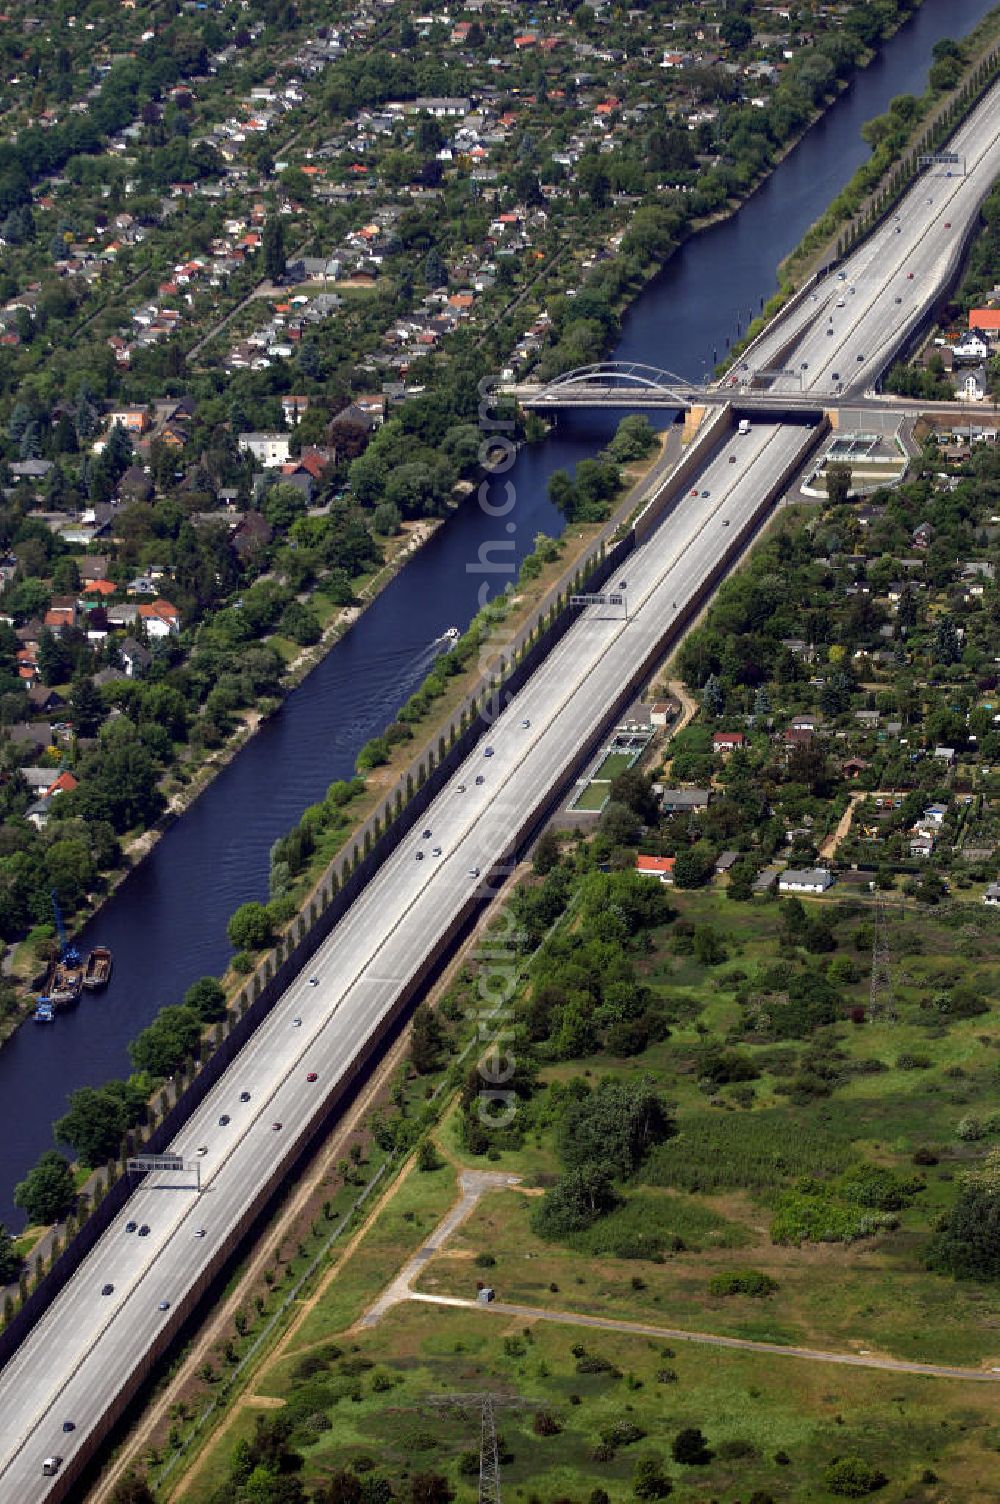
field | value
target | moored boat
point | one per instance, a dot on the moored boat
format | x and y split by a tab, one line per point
64	984
97	968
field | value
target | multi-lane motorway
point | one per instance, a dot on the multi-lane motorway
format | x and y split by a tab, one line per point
82	1352
80	1360
847	333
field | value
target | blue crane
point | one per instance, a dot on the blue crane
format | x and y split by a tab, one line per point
67	951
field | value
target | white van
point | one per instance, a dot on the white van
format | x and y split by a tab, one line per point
744	426
51	1465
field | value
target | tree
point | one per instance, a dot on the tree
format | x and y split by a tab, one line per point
207	998
853	1477
693	867
132	1489
95	1122
967	1241
613	1126
947	646
342	1488
690	1448
435	271
10	1260
574	1202
838	484
251	927
86	705
649	1481
431	1488
712	696
168	1041
274	248
54	658
635	790
736	32
546	853
426	1040
47	1193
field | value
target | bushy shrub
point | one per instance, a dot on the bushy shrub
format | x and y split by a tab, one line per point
743	1282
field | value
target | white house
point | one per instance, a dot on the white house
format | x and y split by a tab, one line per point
805	880
992	894
268	449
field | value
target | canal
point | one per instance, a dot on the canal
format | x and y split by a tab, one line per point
167	922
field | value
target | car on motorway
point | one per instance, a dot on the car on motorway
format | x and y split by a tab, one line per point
480	778
473	871
487	751
199	1232
835	376
526	723
427	835
418	856
314	981
898	230
725	522
224	1120
947	224
694	490
732	459
829	331
841	302
899	300
860	359
435	851
51	1465
706	493
69	1425
296	1023
909	276
107	1289
312	1076
841	276
131	1226
202	1148
144	1230
275	1127
244	1096
164	1305
460	788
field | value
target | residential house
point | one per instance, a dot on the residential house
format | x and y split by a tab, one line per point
727	741
268	449
684	801
664	712
992	894
160	618
805	880
660	867
136	659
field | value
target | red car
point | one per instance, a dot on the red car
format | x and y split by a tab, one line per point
312	1076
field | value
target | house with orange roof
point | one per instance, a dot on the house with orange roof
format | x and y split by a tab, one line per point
660	867
160	618
100	587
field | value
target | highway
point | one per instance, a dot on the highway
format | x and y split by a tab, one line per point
78	1362
880	293
82	1352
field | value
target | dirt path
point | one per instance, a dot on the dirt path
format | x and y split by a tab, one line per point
709	1339
829	846
475	1184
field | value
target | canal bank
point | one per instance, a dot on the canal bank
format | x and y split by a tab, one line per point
167	921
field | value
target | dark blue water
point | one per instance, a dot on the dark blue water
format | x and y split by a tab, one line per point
166	925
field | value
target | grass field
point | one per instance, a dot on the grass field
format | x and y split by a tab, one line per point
593	796
702	1205
613	764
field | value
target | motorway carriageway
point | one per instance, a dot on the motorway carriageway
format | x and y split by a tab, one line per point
924	236
74	1364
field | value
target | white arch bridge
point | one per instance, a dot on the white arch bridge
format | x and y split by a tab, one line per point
633	384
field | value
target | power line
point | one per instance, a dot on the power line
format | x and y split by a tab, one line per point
881	1001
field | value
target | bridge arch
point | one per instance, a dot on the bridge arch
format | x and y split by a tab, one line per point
607	375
